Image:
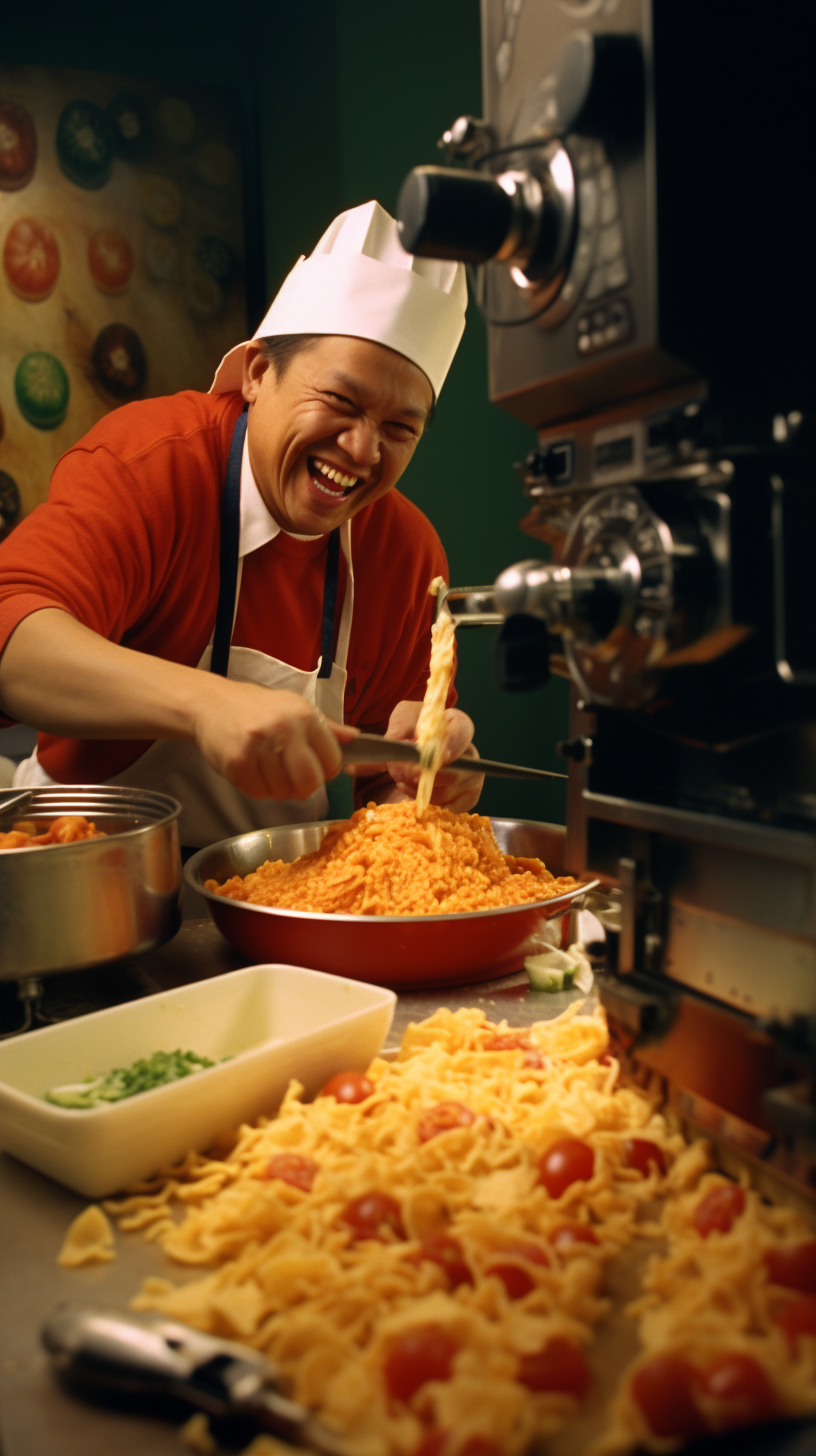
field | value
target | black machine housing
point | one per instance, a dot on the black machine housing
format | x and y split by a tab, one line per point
632	209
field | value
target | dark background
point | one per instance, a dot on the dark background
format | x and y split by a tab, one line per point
340	99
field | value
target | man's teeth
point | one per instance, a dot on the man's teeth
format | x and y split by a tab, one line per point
330	472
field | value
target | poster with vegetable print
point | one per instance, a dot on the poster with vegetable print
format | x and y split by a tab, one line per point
121	255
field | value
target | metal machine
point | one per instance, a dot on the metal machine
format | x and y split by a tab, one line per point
631	210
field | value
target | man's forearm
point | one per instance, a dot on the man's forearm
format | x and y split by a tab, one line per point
60	677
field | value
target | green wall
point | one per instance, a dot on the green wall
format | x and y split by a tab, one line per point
340	99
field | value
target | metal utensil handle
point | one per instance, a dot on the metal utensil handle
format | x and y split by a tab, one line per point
499	770
370	748
17	801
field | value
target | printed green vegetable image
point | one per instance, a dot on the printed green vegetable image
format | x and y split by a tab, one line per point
42	389
147	1072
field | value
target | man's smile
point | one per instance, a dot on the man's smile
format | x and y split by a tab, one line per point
329	479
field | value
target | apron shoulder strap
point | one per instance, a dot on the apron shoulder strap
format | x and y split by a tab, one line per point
228	554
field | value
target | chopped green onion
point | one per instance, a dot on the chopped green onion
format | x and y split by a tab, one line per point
144	1074
551	971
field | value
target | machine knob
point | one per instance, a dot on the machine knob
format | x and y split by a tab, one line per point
524	218
447	213
600	90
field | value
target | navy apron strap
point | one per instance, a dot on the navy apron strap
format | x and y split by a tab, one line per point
228	555
329	603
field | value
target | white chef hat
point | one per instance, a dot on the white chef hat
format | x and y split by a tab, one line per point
360	281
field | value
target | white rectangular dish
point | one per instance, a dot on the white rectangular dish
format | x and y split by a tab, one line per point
274	1022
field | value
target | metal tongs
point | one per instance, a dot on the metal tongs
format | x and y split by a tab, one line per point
149	1354
369	749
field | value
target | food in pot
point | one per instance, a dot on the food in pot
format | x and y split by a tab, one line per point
68	829
385	860
435	1259
31	259
18	146
41	389
145	1073
85	144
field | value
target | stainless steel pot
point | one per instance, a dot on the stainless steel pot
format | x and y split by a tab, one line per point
400	951
69	906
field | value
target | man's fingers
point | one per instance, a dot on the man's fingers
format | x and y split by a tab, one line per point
322	740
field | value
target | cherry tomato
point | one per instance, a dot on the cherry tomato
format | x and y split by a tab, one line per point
422	1354
348	1087
433	1443
742	1388
663	1388
508	1041
641	1154
442	1118
515	1278
798	1317
793	1268
441	1249
373	1215
718	1208
31	259
565	1162
293	1168
535	1059
559	1366
110	260
569	1234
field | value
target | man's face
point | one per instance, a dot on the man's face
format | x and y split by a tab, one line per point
335	433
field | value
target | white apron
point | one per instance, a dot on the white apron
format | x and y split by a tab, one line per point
212	808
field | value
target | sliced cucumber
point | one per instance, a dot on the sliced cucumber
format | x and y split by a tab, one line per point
553	970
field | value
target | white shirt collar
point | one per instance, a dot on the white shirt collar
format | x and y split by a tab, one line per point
257	525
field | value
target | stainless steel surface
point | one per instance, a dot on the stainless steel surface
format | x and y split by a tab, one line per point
14	801
370	748
67	906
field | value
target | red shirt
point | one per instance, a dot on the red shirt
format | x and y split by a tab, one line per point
128	544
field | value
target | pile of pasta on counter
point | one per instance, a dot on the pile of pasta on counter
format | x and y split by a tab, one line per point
386	860
68	829
434	1252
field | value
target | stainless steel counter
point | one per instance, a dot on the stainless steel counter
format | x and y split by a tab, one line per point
37	1418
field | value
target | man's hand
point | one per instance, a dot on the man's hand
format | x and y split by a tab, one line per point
268	743
457	791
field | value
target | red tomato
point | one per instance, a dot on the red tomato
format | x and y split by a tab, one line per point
565	1162
370	1216
433	1443
718	1208
535	1059
742	1389
663	1388
641	1154
508	1041
293	1168
569	1234
515	1278
31	259
447	1253
422	1354
348	1087
110	260
442	1118
559	1366
793	1268
798	1317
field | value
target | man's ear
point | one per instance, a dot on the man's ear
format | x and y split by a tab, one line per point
255	367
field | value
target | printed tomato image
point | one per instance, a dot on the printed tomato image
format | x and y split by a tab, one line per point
110	260
31	259
119	362
18	146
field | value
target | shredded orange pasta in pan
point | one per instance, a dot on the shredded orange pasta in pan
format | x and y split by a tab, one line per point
386	861
431	1263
